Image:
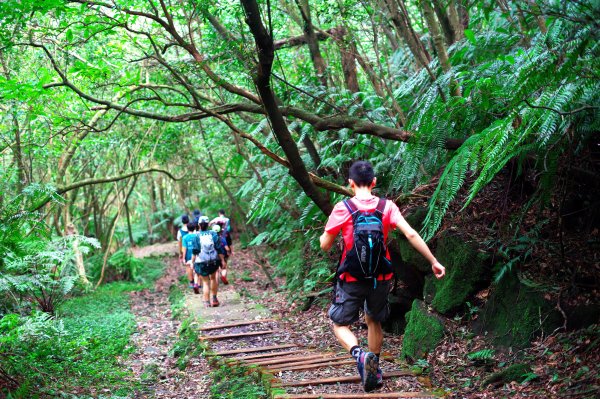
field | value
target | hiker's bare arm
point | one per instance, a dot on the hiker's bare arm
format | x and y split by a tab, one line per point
417	242
327	240
183	253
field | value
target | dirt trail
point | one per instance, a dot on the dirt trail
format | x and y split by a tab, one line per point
295	350
156	334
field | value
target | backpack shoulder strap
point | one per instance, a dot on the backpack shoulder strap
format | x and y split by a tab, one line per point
380	208
350	206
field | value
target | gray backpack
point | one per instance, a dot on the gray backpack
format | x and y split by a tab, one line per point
208	253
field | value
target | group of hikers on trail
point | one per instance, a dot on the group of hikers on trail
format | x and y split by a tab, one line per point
363	277
204	248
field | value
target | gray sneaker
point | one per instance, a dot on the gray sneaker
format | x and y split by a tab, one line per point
368	367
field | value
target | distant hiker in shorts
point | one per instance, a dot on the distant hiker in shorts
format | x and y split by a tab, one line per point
225	224
364	274
223	254
190	245
207	262
182	231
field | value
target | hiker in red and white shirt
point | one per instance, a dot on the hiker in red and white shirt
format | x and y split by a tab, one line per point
364	274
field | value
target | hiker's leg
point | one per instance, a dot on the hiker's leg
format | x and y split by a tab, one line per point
197	278
375	334
205	288
214	284
190	273
223	265
377	309
344	311
345	336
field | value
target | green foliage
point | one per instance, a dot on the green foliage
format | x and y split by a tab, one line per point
126	264
467	271
515	313
423	332
481	355
187	346
518	250
82	346
237	382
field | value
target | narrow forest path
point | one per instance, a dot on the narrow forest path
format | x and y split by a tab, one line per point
152	363
254	326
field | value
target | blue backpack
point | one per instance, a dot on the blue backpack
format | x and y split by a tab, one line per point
367	258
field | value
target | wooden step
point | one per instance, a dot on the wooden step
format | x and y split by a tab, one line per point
273	355
241	323
313	366
309	361
343	359
382	395
335	380
252	350
286	360
238	335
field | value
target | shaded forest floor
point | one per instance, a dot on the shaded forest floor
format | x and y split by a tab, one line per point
562	365
154	364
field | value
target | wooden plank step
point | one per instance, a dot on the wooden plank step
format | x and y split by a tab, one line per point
382	395
290	359
238	335
310	361
252	350
324	359
335	380
270	355
241	323
313	366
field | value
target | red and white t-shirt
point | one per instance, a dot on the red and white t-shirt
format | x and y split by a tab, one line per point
340	220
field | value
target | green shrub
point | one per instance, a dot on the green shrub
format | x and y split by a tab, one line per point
80	348
237	382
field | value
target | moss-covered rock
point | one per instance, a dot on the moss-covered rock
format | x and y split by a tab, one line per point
467	271
423	332
515	313
408	253
516	372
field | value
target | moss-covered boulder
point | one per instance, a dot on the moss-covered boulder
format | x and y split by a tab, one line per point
516	372
467	271
423	332
515	313
408	253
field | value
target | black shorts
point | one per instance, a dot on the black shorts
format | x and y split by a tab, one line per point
228	239
205	269
351	297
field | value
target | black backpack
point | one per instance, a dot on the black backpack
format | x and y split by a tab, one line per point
366	259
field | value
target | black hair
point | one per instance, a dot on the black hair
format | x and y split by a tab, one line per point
192	226
197	213
362	173
185	219
203	226
222	211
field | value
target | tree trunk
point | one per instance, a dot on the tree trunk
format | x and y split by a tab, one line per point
265	49
401	22
442	16
79	265
312	41
348	58
436	36
457	28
